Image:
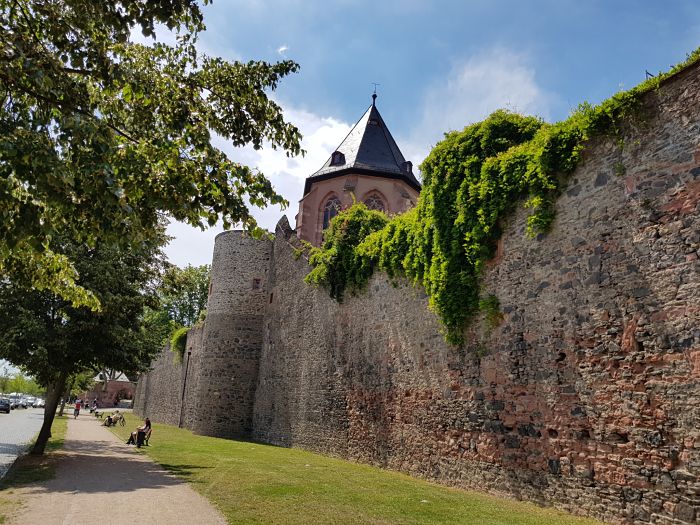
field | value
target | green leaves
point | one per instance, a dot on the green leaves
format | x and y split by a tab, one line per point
472	181
101	136
184	292
337	264
49	334
178	343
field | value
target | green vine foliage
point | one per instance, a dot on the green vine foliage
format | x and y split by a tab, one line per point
472	180
337	264
178	343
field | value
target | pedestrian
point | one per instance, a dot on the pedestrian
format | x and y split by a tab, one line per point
76	410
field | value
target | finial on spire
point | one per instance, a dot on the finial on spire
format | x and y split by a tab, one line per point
374	95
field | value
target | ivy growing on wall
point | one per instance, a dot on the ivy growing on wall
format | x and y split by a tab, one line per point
178	343
472	180
337	264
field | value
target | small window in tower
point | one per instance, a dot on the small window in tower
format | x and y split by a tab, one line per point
373	202
337	159
330	210
373	122
256	284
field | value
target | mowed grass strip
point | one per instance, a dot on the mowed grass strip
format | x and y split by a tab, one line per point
31	469
254	483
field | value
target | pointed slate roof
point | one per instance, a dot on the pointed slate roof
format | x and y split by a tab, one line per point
369	149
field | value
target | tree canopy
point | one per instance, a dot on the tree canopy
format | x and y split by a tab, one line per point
51	339
18	382
184	292
100	136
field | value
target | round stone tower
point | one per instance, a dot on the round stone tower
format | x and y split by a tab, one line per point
232	338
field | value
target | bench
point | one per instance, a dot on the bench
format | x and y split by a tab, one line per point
142	438
120	421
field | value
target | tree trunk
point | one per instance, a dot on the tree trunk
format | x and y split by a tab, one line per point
53	392
69	387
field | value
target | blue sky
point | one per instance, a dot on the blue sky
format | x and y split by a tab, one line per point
440	64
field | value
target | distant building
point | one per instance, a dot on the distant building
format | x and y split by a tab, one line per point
367	167
109	392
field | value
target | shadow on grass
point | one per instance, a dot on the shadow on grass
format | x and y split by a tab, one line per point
27	470
182	471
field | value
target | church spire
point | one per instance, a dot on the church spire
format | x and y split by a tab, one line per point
368	149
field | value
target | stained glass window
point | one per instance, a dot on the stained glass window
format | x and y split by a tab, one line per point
330	210
374	203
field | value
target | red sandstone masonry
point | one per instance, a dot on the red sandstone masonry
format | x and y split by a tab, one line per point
586	397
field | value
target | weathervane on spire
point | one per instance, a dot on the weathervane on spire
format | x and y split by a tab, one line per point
374	95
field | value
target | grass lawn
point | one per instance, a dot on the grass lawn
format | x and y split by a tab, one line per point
30	469
253	483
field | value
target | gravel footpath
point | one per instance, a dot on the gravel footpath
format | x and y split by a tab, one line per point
101	481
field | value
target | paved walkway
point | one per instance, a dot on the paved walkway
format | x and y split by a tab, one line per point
101	481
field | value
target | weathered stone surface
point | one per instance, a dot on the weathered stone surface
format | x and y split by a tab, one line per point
586	397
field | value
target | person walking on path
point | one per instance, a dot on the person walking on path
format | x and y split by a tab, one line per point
95	462
76	410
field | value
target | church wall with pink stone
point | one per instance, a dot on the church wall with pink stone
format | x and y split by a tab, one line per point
396	195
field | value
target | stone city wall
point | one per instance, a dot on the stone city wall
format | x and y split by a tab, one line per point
159	394
586	396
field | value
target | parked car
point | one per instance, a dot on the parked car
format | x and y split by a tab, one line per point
5	405
39	403
17	402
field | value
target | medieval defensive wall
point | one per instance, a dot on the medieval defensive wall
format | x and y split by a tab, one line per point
585	397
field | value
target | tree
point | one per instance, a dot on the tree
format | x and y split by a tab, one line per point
100	135
77	382
4	380
184	293
52	339
20	383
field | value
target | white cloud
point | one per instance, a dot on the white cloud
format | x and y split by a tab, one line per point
474	88
320	136
282	49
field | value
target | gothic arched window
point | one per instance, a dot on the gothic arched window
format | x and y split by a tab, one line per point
330	210
374	202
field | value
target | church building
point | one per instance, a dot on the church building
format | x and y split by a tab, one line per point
367	167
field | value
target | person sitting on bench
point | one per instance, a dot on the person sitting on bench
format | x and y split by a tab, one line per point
141	434
113	419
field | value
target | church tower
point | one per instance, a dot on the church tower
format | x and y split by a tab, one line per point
367	167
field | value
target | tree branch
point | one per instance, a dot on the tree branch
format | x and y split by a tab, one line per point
65	106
